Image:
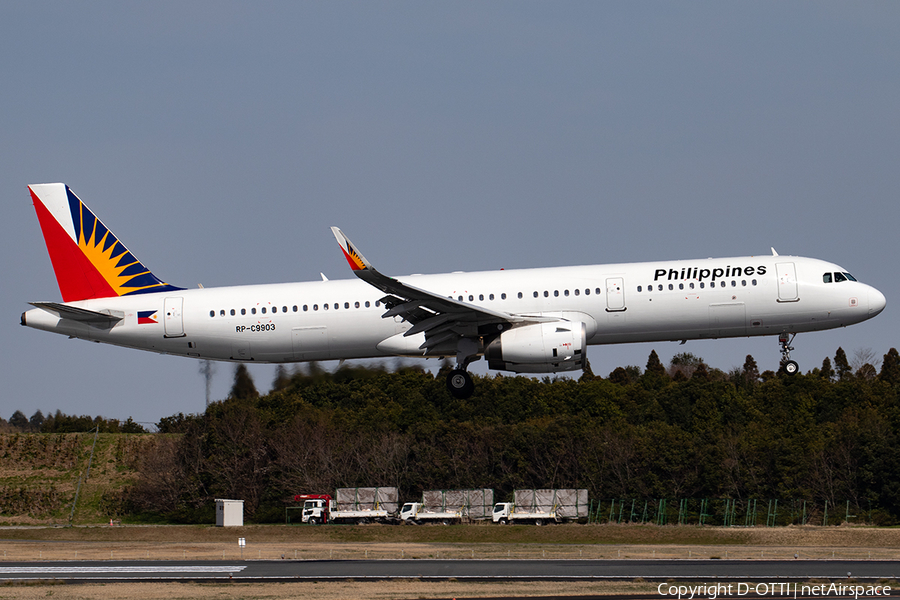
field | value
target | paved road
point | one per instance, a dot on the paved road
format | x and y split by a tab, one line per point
290	570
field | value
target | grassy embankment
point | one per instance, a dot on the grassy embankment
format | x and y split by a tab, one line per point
39	475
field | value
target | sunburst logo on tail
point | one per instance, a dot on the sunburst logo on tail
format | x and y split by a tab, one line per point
89	260
353	257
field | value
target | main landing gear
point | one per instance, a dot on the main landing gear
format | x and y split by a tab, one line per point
459	382
789	366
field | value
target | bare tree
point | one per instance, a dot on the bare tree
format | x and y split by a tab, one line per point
863	357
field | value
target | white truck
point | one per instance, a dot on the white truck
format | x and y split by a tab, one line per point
352	505
415	513
473	504
542	506
505	512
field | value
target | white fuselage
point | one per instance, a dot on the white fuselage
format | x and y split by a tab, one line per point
634	302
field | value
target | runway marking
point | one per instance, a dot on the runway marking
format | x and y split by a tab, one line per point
161	569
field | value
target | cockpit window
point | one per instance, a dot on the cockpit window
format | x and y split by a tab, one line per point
849	276
839	277
826	277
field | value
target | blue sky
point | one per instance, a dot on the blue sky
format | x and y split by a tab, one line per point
220	140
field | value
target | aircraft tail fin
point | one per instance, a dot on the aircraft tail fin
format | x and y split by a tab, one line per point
88	259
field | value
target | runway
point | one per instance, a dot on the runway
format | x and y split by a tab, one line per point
483	570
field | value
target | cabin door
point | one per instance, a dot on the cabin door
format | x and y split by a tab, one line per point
787	282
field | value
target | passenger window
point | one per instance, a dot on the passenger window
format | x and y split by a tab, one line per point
520	295
306	308
491	297
315	307
733	283
680	286
691	284
471	297
556	293
222	313
232	312
377	303
481	296
367	304
263	310
597	291
702	285
546	294
744	282
535	294
649	288
460	299
243	311
577	292
503	296
752	282
212	313
252	311
325	306
295	308
346	305
639	288
284	309
356	304
671	287
587	292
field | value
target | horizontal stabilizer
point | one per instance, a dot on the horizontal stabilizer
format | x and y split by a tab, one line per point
73	313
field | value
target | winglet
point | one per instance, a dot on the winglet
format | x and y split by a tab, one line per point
357	261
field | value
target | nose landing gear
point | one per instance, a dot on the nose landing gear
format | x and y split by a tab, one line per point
789	366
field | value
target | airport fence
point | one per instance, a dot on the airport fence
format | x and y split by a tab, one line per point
727	512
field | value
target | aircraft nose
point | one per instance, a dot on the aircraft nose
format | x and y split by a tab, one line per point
876	302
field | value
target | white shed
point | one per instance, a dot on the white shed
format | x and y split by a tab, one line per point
229	513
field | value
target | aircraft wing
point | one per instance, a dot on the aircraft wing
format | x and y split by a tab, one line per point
441	318
64	311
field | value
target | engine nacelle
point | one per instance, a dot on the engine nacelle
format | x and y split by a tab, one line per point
539	348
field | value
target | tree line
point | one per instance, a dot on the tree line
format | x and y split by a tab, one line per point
679	431
60	422
682	431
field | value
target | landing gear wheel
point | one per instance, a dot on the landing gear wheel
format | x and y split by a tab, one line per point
788	366
460	384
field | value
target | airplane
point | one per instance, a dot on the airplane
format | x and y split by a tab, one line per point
524	320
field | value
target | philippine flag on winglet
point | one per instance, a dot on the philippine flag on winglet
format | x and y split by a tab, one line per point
147	316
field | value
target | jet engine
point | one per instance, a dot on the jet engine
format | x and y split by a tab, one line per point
539	348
